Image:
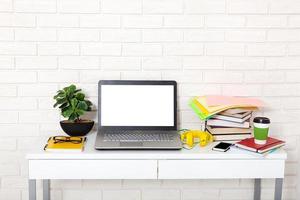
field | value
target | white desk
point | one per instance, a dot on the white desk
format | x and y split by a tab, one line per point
199	163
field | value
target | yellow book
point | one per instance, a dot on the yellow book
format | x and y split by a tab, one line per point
201	105
65	144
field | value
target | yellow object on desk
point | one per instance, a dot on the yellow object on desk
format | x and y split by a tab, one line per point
65	144
190	137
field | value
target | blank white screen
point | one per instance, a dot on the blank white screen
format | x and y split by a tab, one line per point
137	105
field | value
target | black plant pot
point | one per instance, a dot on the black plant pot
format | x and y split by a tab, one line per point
77	128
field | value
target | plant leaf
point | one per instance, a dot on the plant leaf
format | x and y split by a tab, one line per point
56	104
65	89
82	105
80	96
72	117
67	113
89	103
72	88
79	112
62	100
60	94
66	108
74	103
66	104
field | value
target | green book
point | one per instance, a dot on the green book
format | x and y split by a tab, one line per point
198	112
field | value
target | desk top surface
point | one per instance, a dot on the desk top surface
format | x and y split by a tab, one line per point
197	153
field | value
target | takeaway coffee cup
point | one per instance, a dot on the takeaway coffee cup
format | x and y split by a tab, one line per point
261	129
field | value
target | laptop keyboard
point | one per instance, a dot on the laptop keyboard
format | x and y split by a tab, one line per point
137	136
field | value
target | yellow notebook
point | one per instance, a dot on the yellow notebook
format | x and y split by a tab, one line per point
65	144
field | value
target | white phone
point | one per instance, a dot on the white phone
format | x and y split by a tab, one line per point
222	146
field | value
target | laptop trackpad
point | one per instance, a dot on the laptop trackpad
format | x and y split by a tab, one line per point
131	144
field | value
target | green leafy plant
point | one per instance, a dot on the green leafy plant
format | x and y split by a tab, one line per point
72	103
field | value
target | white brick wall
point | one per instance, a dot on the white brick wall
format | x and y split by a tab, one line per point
230	47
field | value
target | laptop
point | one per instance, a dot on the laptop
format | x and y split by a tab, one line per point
137	115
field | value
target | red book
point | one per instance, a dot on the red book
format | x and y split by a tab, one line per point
250	145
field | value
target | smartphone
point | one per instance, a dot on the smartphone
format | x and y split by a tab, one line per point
222	146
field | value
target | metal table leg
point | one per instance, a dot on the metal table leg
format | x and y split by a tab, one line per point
278	188
32	189
257	189
46	189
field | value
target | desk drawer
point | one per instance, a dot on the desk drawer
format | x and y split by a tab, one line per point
203	169
93	169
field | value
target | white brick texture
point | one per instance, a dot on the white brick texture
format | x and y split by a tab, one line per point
232	47
120	6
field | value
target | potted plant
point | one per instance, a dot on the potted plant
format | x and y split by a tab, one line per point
73	105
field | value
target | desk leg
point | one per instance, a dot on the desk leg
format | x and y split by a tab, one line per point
278	188
32	189
46	189
257	189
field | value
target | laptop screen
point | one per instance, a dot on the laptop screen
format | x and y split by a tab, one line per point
137	105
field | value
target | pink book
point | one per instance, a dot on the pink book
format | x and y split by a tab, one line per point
217	100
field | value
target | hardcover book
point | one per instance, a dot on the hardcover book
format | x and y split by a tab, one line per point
250	145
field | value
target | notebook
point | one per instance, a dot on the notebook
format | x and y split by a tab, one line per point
250	145
53	145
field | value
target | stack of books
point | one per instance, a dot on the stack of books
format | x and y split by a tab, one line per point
249	145
227	118
230	125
